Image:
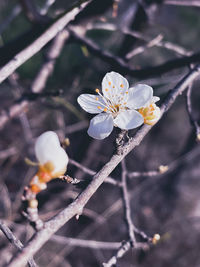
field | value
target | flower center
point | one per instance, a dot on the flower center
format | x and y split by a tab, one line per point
114	104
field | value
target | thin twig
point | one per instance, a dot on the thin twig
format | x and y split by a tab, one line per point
189	3
190	113
127	208
85	243
16	242
40	42
76	207
123	249
109	179
121	66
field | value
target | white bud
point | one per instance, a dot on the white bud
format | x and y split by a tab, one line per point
48	150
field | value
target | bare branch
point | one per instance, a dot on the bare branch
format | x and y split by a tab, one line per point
191	116
39	43
127	208
120	65
124	248
78	204
85	243
189	3
13	240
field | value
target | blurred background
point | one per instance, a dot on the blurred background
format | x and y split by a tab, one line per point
169	203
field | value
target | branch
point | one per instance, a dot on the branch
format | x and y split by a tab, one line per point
109	180
76	207
125	246
85	243
189	3
118	64
16	242
127	208
191	116
40	42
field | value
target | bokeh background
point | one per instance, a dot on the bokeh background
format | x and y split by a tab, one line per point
169	203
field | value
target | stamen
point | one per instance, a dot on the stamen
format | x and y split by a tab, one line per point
113	86
105	109
109	83
97	90
121	85
99	107
97	98
106	89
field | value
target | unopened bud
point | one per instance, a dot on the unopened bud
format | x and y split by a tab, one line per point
155	239
163	168
198	137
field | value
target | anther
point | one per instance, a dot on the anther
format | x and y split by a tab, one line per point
106	89
105	109
121	85
97	98
97	90
109	83
99	107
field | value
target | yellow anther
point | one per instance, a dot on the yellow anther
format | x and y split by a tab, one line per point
105	109
106	89
126	92
96	98
97	90
121	85
109	83
125	103
113	86
99	107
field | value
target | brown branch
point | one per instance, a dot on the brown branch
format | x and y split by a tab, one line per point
40	42
16	242
76	207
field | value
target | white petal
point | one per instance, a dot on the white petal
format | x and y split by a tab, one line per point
60	160
157	114
139	96
155	99
90	103
101	126
47	148
114	83
128	119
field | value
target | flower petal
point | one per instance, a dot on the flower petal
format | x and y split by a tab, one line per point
114	83
139	96
90	103
48	149
101	126
128	119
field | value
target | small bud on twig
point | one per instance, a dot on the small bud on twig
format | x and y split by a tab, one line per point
155	239
163	168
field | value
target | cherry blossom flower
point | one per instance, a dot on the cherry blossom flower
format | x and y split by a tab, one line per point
118	105
151	113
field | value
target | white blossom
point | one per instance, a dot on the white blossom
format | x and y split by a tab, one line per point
117	106
50	154
151	112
